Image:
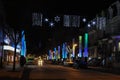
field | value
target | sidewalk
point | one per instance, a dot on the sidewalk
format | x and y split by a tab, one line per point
106	70
7	73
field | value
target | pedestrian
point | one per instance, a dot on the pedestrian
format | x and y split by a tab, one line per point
22	61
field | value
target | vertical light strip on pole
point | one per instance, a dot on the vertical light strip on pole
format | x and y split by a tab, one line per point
73	41
86	46
50	54
58	52
55	54
80	46
66	50
23	47
63	51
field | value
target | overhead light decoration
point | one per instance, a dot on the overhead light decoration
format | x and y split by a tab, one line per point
57	18
7	40
51	24
93	23
46	19
84	19
89	25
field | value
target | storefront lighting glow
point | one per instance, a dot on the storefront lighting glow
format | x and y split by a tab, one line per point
6	47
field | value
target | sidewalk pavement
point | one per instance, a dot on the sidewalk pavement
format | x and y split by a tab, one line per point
7	73
106	70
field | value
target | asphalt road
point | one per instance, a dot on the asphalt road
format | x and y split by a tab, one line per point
58	72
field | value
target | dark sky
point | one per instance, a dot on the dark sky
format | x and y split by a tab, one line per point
19	13
81	7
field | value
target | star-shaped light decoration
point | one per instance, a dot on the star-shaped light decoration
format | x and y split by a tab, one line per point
57	18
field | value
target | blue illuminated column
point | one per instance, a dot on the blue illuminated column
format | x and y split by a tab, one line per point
65	50
55	53
80	46
50	54
23	45
86	46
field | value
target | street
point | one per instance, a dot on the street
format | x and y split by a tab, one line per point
58	72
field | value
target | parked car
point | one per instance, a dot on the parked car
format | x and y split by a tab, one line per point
95	62
79	64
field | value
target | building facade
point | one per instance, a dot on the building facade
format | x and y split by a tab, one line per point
104	36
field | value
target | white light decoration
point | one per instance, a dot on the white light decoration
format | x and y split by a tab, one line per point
57	18
89	25
93	23
51	24
84	19
37	19
6	47
7	40
71	21
46	19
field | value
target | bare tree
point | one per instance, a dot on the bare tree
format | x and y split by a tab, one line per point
15	36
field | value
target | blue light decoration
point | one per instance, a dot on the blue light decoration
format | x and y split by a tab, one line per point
55	53
80	46
58	52
23	45
50	54
63	51
86	46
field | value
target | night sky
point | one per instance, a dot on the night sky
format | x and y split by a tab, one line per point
19	13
